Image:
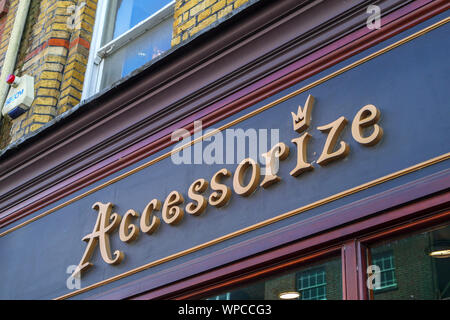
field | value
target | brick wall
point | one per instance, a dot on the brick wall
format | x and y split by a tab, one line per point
54	49
5	124
192	16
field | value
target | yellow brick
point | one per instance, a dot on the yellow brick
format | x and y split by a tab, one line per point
88	11
41	118
78	57
178	20
186	16
86	26
58	26
26	122
209	2
43	110
63	109
56	67
48	92
52	58
47	101
60	51
239	3
188	5
75	65
68	101
224	12
204	14
176	41
185	26
51	75
73	92
35	127
198	8
202	25
75	74
47	84
219	5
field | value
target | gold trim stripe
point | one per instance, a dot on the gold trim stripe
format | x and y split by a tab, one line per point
263	223
234	122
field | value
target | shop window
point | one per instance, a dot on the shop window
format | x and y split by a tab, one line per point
417	266
225	296
320	280
385	261
127	35
312	284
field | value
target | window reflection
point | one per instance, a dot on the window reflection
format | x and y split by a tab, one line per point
385	261
408	269
312	284
130	12
319	281
138	47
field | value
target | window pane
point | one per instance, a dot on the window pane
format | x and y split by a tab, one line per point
318	281
129	13
408	270
138	52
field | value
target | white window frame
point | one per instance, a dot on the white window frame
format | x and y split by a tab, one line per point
98	53
381	258
307	275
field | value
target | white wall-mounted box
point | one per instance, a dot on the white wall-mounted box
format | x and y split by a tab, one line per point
20	98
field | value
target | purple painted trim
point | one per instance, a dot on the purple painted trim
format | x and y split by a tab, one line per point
275	76
359	209
261	83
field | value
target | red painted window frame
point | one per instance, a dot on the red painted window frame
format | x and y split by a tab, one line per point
351	241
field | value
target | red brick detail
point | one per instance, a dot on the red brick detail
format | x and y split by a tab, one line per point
80	41
54	42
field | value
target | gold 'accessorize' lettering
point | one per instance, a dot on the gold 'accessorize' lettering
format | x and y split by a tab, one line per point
199	186
105	224
238	179
150	223
279	152
171	212
334	130
302	119
367	116
222	193
128	232
302	163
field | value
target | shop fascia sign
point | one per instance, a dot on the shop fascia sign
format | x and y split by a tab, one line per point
172	211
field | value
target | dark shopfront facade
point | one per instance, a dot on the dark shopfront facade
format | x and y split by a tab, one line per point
361	120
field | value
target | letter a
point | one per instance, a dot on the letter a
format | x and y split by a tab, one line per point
106	223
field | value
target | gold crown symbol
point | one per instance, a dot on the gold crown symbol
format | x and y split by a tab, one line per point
302	119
